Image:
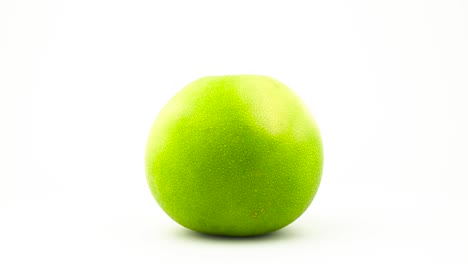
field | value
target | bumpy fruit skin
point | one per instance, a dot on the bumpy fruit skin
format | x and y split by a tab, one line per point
234	155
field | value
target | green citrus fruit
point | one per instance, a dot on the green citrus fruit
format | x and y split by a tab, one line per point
234	155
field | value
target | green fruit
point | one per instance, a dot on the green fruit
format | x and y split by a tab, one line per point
234	155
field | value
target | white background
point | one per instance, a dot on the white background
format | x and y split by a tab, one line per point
82	81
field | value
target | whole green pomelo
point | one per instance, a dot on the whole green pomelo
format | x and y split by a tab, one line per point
234	155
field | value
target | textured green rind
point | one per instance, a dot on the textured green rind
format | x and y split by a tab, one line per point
234	155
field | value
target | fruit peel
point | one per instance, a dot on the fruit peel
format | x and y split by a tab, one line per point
236	155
